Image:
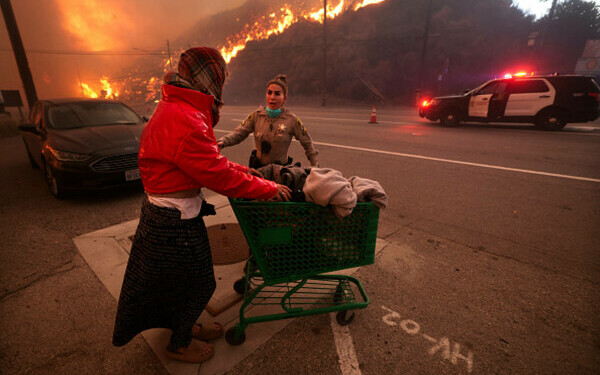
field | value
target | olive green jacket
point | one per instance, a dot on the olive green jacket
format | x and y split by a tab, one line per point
272	136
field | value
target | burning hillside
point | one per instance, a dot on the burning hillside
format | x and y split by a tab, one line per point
141	83
277	21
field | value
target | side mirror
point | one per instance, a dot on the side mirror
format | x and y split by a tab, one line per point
28	128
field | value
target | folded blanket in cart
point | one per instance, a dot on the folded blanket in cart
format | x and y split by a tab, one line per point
368	191
326	186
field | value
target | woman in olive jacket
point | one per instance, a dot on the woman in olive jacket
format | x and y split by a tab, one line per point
274	127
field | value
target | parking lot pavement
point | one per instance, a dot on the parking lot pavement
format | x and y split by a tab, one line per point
106	252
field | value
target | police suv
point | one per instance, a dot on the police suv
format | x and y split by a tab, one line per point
549	102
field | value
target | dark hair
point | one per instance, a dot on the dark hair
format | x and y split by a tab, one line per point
281	80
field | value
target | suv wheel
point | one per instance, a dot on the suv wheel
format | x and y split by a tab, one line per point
450	117
551	120
53	182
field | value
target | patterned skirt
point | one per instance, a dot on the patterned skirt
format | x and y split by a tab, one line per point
169	277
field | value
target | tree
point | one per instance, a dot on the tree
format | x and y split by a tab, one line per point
573	23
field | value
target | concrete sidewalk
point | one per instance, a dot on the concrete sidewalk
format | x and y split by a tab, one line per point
106	251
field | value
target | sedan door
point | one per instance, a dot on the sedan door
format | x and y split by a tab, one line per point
34	141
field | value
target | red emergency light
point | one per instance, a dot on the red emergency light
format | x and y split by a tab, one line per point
518	74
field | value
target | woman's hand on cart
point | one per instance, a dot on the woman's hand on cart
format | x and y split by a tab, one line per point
284	194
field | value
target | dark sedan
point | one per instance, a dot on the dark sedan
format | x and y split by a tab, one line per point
83	144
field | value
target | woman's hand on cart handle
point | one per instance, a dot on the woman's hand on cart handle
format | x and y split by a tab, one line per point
284	194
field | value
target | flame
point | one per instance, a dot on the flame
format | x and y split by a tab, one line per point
278	21
105	90
263	28
87	91
88	19
108	89
367	2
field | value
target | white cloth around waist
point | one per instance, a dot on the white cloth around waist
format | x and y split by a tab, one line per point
189	207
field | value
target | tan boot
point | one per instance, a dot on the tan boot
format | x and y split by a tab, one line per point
196	352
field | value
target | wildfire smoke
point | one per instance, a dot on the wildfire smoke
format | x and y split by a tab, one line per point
272	21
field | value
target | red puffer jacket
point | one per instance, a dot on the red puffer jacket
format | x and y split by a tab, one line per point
178	151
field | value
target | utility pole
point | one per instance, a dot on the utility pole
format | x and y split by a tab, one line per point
169	50
19	51
424	50
324	94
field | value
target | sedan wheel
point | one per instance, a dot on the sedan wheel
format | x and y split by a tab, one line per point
53	183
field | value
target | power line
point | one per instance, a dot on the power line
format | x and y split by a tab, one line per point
95	53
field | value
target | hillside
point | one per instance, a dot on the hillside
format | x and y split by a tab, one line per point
381	45
374	55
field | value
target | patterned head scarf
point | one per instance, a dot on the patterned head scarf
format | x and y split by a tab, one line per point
281	80
202	69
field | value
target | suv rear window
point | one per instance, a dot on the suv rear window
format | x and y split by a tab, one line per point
528	86
574	83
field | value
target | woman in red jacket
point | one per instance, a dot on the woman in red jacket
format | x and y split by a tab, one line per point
169	277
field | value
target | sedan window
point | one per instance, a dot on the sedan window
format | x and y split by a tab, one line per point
79	115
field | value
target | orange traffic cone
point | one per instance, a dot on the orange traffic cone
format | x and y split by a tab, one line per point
373	116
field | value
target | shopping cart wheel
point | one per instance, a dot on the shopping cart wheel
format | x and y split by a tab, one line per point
240	285
229	336
342	319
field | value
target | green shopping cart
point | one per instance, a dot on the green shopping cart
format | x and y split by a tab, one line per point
293	249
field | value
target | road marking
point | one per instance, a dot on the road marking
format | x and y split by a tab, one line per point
362	121
451	354
458	162
571	129
354	120
345	348
489	166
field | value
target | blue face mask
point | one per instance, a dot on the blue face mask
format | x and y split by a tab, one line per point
273	112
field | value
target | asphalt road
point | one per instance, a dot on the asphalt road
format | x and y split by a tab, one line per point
491	263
